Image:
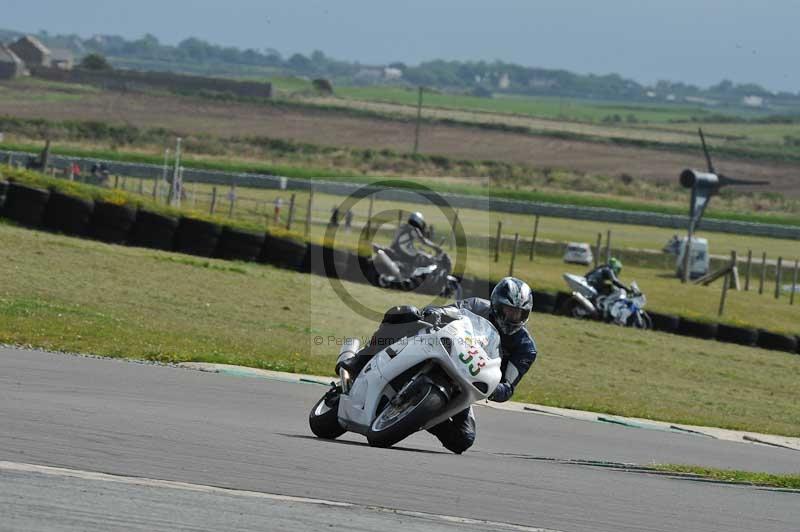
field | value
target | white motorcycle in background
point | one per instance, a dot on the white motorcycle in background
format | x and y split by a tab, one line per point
413	384
619	307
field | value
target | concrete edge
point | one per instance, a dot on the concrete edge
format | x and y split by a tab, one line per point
755	438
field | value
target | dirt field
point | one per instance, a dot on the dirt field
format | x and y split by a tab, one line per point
189	115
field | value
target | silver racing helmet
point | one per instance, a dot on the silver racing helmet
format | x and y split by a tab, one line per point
512	301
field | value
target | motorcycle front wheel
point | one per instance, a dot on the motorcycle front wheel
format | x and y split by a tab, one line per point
324	417
403	417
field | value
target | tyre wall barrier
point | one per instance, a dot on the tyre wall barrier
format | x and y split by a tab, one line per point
561	300
111	223
236	244
544	302
153	230
25	205
67	214
197	237
664	322
697	329
283	252
776	341
737	335
3	190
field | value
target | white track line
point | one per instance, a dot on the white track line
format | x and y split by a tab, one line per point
185	486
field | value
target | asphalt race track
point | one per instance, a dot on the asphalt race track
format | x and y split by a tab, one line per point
97	444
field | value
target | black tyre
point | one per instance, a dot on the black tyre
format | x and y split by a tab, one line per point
664	322
68	214
400	419
561	300
112	223
25	205
153	230
573	309
544	302
326	261
197	237
235	244
737	335
324	417
776	341
697	329
3	191
285	252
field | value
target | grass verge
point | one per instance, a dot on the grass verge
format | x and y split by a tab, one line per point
76	295
731	475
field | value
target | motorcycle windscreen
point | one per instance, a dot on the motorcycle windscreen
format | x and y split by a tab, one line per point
482	333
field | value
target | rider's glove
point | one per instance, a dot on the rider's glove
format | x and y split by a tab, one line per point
502	393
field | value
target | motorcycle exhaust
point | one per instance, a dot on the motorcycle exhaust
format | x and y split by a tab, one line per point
385	265
348	351
585	303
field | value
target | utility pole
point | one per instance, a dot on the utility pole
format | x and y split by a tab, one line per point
419	120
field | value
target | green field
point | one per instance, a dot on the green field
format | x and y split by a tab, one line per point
139	303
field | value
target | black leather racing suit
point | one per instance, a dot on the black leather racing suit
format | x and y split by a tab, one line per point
405	251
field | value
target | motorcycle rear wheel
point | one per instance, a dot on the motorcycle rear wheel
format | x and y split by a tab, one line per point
324	418
399	421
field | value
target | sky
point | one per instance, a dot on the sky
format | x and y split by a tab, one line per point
694	41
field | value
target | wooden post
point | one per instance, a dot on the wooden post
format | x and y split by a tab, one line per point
794	282
116	181
308	212
369	216
124	183
497	241
734	275
399	217
724	293
747	271
155	189
513	255
213	200
778	272
194	195
232	198
763	273
141	186
533	240
453	232
608	246
419	120
687	252
291	213
597	249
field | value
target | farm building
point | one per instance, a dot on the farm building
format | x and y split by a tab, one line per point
11	66
32	51
62	59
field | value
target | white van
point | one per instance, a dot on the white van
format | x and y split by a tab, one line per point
698	261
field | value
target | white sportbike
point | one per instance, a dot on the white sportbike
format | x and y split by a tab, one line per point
413	384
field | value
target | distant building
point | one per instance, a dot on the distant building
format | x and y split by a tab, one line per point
61	58
11	66
392	73
32	51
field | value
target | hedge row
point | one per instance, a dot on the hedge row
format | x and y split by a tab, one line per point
120	224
